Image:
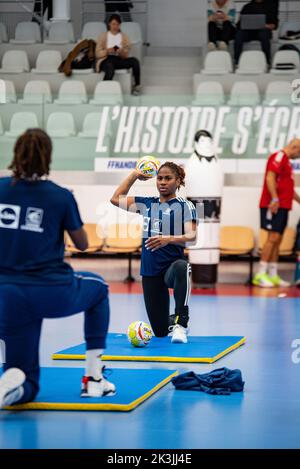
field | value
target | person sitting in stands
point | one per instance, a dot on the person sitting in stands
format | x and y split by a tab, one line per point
257	7
221	24
112	53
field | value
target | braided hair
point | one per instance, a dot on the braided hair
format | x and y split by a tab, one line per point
32	155
177	170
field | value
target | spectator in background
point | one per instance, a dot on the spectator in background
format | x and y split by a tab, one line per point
264	36
275	203
221	23
121	6
112	53
39	9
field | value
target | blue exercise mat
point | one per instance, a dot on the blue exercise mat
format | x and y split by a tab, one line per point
60	390
197	350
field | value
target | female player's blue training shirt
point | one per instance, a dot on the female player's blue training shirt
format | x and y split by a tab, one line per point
163	218
33	218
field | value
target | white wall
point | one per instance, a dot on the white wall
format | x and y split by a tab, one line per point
178	23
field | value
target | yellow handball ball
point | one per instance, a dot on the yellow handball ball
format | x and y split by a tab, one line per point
139	334
148	165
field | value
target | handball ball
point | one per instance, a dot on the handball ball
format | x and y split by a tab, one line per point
139	334
148	165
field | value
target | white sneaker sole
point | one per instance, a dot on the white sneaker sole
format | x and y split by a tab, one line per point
177	340
10	380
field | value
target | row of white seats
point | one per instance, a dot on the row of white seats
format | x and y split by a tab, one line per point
62	124
70	92
47	62
244	93
251	62
28	32
59	124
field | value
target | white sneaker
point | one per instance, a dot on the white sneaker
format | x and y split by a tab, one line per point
211	46
263	280
91	387
179	334
137	90
223	45
11	389
279	282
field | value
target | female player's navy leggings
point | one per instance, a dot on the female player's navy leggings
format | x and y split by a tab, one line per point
23	308
157	299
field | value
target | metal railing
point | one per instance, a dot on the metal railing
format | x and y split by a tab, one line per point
96	10
13	12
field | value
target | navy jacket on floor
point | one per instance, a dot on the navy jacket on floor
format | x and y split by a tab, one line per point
220	381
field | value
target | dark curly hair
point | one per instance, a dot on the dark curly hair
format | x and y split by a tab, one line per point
32	155
177	170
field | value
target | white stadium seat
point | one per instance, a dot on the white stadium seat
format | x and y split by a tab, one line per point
134	32
244	93
288	26
61	124
91	125
72	92
285	57
278	93
20	122
3	33
209	93
36	92
47	61
108	92
217	63
15	61
252	62
27	32
60	33
93	29
11	95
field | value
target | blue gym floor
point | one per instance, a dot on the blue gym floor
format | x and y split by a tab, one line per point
266	415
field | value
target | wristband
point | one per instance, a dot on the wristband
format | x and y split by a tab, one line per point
275	199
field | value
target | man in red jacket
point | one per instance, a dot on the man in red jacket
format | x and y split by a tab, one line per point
275	203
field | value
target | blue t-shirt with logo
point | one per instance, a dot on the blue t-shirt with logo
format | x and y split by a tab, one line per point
33	218
163	218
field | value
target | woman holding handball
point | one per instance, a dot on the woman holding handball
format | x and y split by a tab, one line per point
169	222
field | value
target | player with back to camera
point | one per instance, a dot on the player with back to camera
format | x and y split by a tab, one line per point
169	222
35	282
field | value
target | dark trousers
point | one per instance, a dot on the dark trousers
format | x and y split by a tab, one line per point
112	63
23	308
46	4
123	7
157	299
263	36
226	33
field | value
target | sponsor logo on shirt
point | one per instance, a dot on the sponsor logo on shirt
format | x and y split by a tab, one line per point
33	220
9	216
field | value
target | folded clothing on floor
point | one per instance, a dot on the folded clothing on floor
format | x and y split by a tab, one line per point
219	381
